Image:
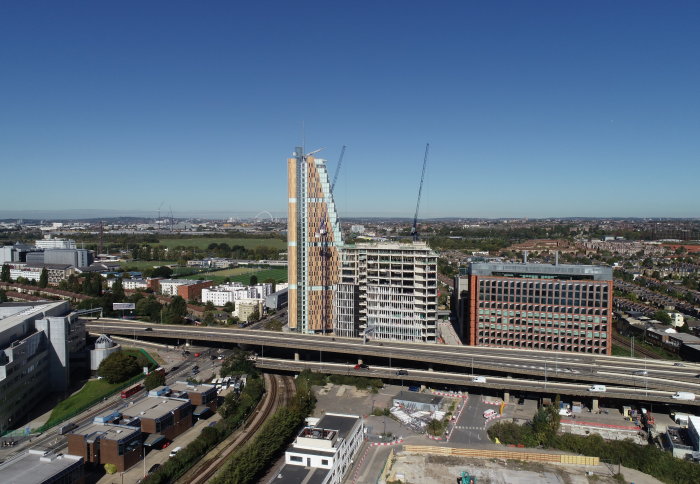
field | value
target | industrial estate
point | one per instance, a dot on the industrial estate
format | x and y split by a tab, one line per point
315	349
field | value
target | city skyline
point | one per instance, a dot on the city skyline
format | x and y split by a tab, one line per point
554	111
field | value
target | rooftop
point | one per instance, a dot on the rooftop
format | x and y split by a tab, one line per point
292	474
419	397
183	386
107	431
154	407
37	466
597	273
343	424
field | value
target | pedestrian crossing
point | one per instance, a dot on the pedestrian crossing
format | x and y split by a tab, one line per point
464	427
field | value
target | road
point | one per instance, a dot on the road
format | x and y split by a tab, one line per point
545	365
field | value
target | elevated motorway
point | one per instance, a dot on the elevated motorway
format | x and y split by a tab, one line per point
461	380
538	365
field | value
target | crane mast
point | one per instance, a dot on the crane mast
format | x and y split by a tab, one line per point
414	229
337	169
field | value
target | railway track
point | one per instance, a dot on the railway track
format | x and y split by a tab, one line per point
625	344
279	392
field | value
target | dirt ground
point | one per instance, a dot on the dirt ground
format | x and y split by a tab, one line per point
436	469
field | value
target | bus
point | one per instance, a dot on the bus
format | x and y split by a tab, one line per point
130	391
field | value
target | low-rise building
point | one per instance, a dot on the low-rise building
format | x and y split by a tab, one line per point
418	401
104	346
322	453
43	467
246	308
168	417
199	395
188	289
107	443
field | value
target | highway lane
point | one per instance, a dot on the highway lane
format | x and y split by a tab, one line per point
555	364
500	383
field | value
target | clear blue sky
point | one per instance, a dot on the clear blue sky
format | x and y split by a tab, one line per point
532	108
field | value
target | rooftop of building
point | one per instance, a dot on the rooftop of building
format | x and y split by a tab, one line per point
292	474
11	315
339	423
154	407
107	431
37	265
37	466
597	273
391	245
183	386
694	421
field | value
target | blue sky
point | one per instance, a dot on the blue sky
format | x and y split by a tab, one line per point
532	109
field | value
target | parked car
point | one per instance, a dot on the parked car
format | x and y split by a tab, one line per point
153	468
361	366
174	452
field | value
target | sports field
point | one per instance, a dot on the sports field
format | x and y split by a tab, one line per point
242	274
203	242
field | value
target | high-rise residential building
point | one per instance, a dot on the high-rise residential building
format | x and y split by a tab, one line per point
387	291
539	306
313	239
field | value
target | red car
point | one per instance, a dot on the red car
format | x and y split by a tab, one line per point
197	355
361	366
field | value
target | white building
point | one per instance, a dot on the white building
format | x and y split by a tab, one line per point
50	243
677	319
387	291
30	273
235	291
324	450
168	287
130	284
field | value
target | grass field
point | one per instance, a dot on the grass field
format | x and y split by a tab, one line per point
203	242
242	275
91	391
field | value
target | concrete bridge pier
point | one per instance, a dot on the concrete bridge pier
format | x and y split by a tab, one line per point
594	405
506	396
296	356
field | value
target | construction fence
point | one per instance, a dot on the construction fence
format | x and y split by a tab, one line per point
504	454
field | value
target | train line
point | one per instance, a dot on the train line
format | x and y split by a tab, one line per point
625	344
280	389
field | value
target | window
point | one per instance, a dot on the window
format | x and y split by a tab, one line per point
324	462
296	458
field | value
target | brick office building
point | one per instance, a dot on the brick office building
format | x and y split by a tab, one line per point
104	443
167	417
199	394
539	306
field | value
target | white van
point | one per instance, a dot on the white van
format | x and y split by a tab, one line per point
597	388
174	452
479	379
489	413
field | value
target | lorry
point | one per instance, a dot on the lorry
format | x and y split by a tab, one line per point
596	388
684	396
479	379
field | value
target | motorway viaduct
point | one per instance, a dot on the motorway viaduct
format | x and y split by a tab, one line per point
505	369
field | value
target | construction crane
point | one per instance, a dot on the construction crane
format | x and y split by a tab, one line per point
337	169
414	229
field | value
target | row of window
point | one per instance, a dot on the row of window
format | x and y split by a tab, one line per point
539	345
539	309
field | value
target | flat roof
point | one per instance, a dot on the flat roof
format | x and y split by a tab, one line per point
291	474
183	386
107	431
335	421
596	273
37	466
154	407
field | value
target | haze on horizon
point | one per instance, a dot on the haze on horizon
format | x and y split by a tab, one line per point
532	110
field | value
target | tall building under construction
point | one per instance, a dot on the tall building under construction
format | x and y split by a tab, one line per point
313	239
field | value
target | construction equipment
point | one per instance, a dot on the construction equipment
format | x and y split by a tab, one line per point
337	168
414	229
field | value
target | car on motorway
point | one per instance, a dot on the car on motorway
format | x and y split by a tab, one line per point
479	379
596	388
641	372
678	364
401	372
148	329
361	366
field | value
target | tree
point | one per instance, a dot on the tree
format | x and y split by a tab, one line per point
44	278
209	318
662	317
162	271
135	252
3	296
5	275
209	306
153	380
118	367
229	307
149	307
254	316
118	289
110	468
253	280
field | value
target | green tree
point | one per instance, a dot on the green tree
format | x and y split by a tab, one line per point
118	289
110	468
253	280
118	367
662	316
135	252
209	306
174	312
153	380
254	316
3	296
44	278
161	271
149	307
209	318
229	307
5	274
